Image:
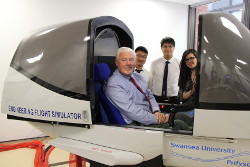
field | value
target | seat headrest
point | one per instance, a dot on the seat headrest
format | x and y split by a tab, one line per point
102	72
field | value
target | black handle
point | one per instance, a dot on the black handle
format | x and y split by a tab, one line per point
171	117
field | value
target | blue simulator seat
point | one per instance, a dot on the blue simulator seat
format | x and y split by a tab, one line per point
110	114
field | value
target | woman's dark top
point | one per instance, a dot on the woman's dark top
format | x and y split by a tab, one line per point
187	104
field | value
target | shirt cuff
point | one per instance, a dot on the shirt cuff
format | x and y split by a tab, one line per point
156	109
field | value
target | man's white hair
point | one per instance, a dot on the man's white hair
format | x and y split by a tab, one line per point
124	49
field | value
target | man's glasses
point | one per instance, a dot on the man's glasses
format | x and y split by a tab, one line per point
143	56
190	58
167	46
125	60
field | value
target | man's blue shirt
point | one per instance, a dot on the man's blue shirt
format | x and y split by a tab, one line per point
132	104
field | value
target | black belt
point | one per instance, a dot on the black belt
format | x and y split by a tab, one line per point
169	99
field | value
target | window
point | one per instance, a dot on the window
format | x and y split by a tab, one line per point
236	2
229	6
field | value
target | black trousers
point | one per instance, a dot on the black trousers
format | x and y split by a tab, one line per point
172	100
181	122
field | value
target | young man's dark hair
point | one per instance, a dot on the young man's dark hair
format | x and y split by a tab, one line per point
168	40
141	48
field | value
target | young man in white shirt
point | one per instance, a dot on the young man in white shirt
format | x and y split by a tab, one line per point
141	57
170	92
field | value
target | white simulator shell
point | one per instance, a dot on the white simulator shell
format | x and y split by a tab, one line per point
50	84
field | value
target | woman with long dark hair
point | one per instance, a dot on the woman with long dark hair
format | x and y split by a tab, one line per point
187	80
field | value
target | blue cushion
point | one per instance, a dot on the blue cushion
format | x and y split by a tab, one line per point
102	72
113	114
105	120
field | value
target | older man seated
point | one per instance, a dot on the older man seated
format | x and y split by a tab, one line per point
128	92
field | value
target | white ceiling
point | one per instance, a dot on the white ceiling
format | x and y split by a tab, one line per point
191	2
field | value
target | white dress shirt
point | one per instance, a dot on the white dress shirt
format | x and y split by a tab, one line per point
157	71
146	75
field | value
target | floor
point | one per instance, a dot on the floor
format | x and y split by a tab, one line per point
24	157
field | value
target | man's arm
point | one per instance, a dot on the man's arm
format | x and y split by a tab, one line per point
161	118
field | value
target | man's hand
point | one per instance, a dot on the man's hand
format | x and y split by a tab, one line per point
161	118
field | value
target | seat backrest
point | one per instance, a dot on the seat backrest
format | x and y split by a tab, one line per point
102	73
104	117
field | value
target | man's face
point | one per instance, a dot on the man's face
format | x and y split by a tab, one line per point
167	50
126	63
141	58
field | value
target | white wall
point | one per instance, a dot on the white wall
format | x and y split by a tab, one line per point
149	21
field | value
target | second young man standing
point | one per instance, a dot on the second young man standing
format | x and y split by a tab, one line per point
165	73
141	57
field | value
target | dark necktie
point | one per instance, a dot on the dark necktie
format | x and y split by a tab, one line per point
138	70
139	88
164	83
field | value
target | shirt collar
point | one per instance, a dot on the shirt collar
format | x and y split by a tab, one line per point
164	60
138	70
118	73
